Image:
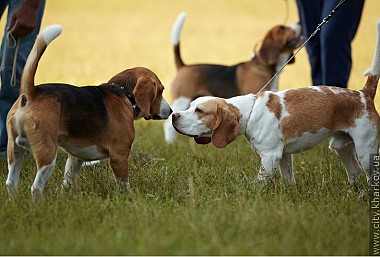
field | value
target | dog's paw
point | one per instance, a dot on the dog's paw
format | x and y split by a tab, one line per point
127	185
264	178
123	184
11	187
36	192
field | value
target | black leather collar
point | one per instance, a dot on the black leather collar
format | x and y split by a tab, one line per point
125	91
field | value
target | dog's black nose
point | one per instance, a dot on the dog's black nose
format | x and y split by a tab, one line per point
171	111
175	116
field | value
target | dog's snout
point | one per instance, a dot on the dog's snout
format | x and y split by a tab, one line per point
165	110
175	116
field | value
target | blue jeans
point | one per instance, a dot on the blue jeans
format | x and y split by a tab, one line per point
330	49
10	87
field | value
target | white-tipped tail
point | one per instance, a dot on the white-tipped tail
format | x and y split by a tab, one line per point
51	32
177	27
43	39
375	68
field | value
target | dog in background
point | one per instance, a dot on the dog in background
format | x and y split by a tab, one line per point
278	124
90	123
192	81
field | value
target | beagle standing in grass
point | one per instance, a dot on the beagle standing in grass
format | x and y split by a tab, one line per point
90	123
278	124
197	80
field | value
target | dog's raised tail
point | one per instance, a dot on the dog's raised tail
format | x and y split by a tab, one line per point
373	73
176	33
43	39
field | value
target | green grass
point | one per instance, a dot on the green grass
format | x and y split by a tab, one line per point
188	199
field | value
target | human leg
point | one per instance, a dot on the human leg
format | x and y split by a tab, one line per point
310	13
335	40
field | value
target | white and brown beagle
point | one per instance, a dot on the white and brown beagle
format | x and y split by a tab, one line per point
90	123
278	124
192	81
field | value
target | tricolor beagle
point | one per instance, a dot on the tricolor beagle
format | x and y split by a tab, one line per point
278	124
90	123
197	80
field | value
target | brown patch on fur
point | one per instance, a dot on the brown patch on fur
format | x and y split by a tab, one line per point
187	83
252	76
310	110
372	113
274	105
222	119
369	90
371	86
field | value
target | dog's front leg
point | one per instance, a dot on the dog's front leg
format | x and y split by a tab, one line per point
119	164
72	169
269	162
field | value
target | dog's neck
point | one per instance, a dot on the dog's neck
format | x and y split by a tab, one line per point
128	94
281	61
244	104
258	61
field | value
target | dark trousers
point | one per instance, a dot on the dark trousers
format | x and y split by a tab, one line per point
330	49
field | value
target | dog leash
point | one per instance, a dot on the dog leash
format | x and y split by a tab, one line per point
324	21
10	42
286	12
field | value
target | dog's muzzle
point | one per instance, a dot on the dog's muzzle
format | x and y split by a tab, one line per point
299	39
165	111
175	118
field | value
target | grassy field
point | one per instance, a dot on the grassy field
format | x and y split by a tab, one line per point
185	199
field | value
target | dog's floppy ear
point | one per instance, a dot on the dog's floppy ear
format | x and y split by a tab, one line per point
145	92
269	50
226	127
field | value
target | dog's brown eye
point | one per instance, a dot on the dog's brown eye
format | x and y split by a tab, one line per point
197	110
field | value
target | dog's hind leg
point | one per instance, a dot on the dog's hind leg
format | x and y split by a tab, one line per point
43	174
15	159
345	148
366	143
286	168
44	149
72	169
179	104
15	155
